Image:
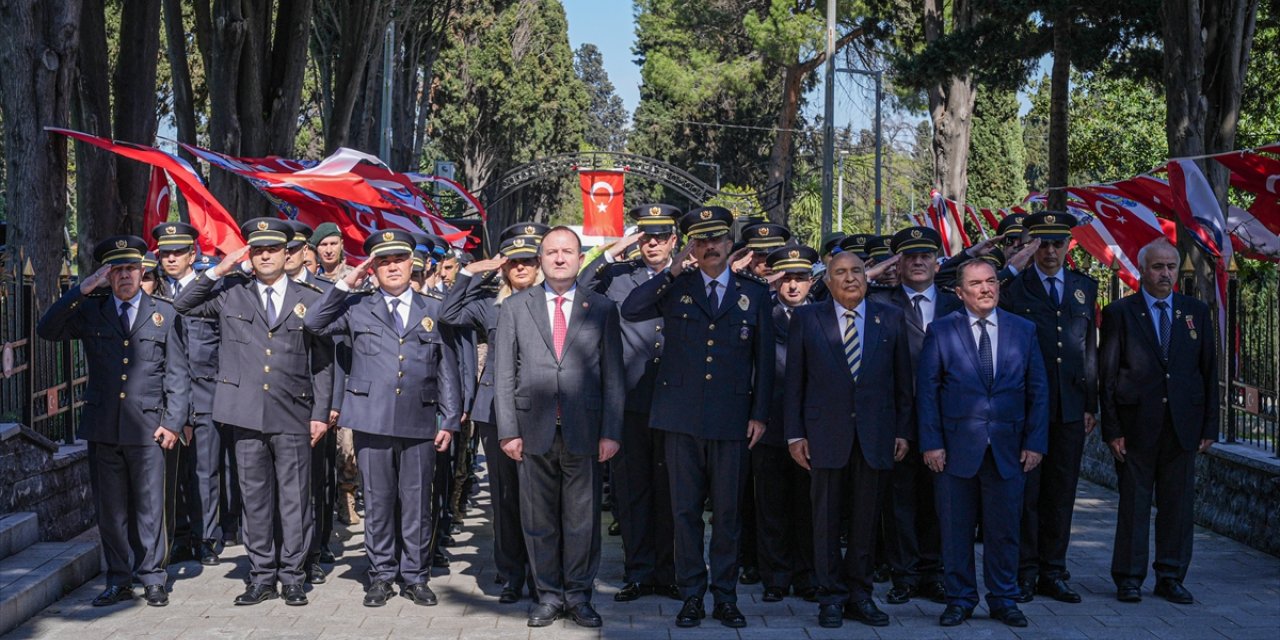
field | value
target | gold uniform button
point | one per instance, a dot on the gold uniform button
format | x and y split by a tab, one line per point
397	392
126	343
708	358
125	361
657	345
1059	360
401	356
1166	376
656	360
658	328
266	369
269	334
1058	312
708	376
711	327
266	387
401	340
711	343
122	394
268	352
399	374
1165	400
1059	345
124	377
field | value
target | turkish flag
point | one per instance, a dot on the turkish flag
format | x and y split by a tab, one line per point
157	209
602	203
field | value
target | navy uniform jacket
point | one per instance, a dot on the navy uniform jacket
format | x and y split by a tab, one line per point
272	379
773	434
719	371
1138	386
398	382
200	335
1068	337
586	385
826	406
641	341
469	304
946	276
137	381
959	411
945	303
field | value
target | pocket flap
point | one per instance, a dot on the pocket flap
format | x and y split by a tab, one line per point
358	387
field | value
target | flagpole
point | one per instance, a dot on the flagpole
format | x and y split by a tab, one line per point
388	53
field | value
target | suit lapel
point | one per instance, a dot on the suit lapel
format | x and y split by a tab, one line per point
901	298
582	306
1139	312
831	329
145	308
537	301
961	325
417	311
1004	346
292	296
700	295
870	332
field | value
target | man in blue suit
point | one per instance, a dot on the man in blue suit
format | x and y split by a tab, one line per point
981	401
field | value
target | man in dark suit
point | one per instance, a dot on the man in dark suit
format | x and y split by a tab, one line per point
1159	378
712	397
275	381
1062	304
848	417
404	379
559	394
641	493
913	545
135	406
981	400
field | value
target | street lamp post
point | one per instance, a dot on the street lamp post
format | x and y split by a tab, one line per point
878	74
840	192
716	166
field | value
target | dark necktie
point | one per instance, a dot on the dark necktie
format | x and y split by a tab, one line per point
395	313
271	306
711	295
1165	324
124	317
915	302
1053	292
984	351
852	344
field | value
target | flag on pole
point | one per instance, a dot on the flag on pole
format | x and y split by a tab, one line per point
157	207
602	207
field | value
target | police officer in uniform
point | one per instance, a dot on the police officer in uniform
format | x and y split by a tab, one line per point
229	505
830	246
712	399
642	494
274	386
136	403
404	377
1012	239
1062	303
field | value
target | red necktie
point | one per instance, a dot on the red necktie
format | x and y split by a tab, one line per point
559	327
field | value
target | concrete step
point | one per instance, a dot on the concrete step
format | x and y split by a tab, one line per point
39	575
17	532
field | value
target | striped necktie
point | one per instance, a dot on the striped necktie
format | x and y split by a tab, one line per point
852	344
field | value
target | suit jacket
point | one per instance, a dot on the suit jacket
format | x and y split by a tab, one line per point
960	412
341	349
945	303
825	405
138	380
773	434
200	335
1138	386
470	304
399	380
719	371
586	385
1068	337
641	341
272	378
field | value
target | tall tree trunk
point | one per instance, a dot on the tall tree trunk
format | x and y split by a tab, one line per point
184	108
1229	27
38	48
99	211
950	106
133	91
359	23
1059	109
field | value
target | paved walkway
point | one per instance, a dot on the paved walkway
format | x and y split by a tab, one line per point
1237	591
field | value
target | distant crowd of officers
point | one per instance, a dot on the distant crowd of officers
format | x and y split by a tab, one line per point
859	412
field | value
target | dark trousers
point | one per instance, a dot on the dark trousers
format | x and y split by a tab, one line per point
1162	470
560	513
847	578
642	503
397	474
1048	502
200	483
509	555
129	489
230	504
463	477
441	489
784	519
913	547
324	491
275	483
698	468
1001	508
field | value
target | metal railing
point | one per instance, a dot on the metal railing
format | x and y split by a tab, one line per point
41	382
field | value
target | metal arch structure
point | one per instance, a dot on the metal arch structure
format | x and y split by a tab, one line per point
683	182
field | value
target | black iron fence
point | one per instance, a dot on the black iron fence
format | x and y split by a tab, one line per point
41	382
1252	356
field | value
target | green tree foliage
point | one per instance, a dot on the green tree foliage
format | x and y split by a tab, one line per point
997	157
606	117
1260	104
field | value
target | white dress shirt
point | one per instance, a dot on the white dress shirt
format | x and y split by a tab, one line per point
402	309
1044	280
1155	312
133	306
277	293
993	332
567	307
722	288
859	319
928	306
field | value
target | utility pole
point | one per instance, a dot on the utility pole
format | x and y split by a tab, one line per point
828	124
840	192
388	54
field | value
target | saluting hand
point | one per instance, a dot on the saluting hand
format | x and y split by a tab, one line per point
881	267
232	262
800	453
936	460
165	438
620	246
443	438
318	428
683	260
1030	460
356	275
755	429
95	279
1022	258
484	266
740	259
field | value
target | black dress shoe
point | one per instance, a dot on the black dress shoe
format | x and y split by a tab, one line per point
112	595
953	615
378	594
867	613
326	556
315	573
509	595
1011	616
294	595
419	593
615	529
830	616
584	615
447	541
455	529
1173	591
255	593
543	615
1128	593
1026	592
934	591
774	594
900	594
728	615
633	591
156	596
808	594
691	614
1058	589
439	560
209	553
750	575
671	591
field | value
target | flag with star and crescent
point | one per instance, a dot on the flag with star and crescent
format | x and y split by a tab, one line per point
602	202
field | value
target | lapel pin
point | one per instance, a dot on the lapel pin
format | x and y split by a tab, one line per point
744	302
1079	296
877	319
686	300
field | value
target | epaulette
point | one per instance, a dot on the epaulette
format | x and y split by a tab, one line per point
752	277
323	278
1083	275
432	293
309	285
98	293
162	298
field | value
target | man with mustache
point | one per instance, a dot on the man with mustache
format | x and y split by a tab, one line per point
712	396
981	402
1158	372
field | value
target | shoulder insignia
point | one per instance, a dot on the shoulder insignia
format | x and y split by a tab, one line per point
98	293
324	278
310	286
432	293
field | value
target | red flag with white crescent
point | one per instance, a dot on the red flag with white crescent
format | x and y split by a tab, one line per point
157	209
602	202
